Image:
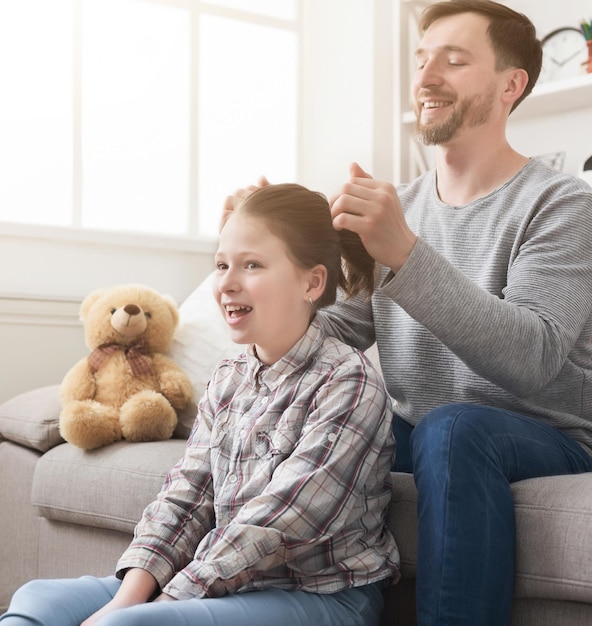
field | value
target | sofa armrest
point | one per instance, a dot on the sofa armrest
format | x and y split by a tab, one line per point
31	419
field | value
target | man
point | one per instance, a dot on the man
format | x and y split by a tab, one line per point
483	316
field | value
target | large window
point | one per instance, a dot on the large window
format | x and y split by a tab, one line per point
143	115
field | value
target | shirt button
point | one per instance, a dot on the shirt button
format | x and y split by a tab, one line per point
232	478
331	437
264	400
243	434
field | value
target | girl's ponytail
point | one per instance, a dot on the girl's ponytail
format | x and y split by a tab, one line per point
358	267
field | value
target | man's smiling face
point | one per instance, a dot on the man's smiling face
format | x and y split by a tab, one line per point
455	83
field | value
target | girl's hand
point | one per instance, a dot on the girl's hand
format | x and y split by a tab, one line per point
136	588
111	606
163	597
115	604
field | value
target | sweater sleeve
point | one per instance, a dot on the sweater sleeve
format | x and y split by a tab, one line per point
349	320
520	339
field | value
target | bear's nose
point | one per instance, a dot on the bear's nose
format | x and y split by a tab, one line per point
131	309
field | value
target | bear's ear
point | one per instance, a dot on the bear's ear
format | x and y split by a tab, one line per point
89	301
170	302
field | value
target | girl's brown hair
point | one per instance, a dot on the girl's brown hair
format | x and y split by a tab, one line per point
302	219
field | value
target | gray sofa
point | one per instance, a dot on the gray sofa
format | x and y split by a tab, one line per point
66	512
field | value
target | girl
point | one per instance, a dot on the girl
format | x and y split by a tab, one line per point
276	512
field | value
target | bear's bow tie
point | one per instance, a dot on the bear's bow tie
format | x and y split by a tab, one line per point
135	354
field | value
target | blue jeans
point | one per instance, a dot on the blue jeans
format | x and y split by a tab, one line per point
464	457
68	602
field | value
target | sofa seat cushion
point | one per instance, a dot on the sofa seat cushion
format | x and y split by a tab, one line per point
553	534
402	520
554	530
105	488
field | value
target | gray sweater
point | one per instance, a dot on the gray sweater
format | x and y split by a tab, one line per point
493	306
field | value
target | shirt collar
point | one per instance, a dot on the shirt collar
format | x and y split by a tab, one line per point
298	356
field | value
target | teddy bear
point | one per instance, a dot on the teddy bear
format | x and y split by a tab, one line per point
127	387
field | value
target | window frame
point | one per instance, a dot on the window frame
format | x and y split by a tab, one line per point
192	240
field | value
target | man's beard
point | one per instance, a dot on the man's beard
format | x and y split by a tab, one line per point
472	112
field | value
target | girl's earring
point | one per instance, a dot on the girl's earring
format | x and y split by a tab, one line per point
310	301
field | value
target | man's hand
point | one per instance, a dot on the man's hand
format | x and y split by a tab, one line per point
238	196
372	209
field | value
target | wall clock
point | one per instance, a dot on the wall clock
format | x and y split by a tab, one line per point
565	54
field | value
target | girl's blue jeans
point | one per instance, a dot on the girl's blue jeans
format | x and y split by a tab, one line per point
68	602
463	458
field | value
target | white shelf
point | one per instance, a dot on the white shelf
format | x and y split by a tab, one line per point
556	97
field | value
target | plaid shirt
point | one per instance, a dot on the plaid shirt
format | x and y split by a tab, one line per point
284	482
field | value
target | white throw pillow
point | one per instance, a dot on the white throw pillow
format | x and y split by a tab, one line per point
200	342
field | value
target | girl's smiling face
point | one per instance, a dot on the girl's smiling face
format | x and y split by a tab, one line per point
262	293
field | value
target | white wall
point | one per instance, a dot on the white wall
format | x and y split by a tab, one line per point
548	16
338	81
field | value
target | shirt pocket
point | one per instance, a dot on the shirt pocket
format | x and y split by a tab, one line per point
274	445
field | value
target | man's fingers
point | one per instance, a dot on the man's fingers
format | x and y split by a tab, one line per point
244	192
346	205
238	196
355	171
358	177
354	222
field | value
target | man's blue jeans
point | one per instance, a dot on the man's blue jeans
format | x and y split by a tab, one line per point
464	457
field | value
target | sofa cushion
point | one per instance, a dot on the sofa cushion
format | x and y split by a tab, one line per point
31	418
554	530
402	520
200	341
553	534
104	488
